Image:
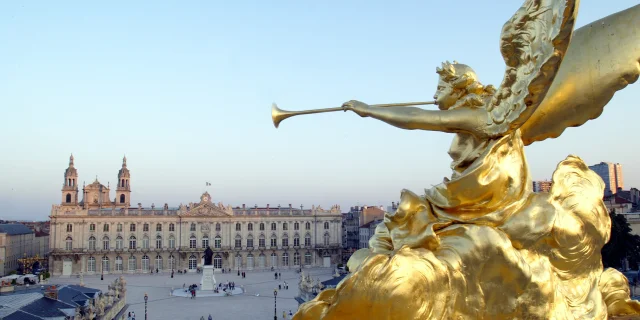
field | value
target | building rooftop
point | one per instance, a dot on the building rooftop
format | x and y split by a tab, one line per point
14	229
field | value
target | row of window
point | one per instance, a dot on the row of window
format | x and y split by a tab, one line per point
193	262
106	242
145	227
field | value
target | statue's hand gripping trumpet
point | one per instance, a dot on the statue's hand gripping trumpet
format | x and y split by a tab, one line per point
482	245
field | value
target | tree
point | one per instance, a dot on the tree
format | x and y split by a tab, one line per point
622	244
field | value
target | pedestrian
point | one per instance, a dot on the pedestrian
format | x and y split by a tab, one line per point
290	314
210	318
279	275
202	318
279	286
129	316
133	315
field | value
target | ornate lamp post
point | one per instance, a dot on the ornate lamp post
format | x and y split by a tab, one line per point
275	294
146	297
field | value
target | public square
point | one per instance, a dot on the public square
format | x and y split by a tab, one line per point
256	302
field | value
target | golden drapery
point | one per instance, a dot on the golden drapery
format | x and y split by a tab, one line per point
484	246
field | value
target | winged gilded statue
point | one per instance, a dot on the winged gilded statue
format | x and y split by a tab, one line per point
482	244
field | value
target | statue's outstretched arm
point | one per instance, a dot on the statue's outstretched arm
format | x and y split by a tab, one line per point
410	118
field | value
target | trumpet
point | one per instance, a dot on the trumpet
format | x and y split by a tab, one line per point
277	114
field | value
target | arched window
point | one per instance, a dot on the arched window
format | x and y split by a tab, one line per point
296	259
105	243
192	242
91	264
296	226
285	240
285	259
68	243
326	225
145	263
119	228
105	264
105	228
132	242
193	227
69	227
92	243
158	262
262	261
172	262
238	260
122	198
145	242
261	226
261	241
250	241
193	262
217	242
238	241
250	261
158	227
172	242
274	259
326	239
285	226
145	227
205	242
172	227
307	258
122	183
68	199
158	242
238	227
119	242
217	227
132	227
217	262
274	240
307	226
296	240
307	240
92	227
132	264
273	226
119	263
250	227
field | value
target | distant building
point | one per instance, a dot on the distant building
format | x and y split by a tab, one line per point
542	186
95	234
367	231
611	174
350	232
16	242
308	289
371	213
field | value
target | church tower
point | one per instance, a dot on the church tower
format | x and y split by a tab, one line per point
70	185
123	191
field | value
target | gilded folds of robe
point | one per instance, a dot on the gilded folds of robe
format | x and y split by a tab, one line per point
483	246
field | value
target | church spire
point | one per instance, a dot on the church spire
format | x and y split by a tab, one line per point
124	161
71	160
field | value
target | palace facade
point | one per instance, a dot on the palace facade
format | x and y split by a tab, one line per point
97	235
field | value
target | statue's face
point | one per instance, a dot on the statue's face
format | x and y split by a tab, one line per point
445	95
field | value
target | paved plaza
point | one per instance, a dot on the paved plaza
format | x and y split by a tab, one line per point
256	302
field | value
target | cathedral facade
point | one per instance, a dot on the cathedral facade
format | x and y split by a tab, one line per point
97	235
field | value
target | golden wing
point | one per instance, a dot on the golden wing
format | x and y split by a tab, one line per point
533	43
603	57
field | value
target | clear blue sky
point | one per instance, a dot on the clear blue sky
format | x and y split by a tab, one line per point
184	89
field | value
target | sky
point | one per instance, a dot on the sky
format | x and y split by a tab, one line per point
184	90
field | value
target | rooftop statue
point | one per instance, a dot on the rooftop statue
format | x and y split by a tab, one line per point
482	245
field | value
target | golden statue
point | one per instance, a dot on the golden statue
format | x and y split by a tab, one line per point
482	245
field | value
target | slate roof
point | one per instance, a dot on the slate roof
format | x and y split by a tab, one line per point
76	295
14	229
332	283
21	315
46	308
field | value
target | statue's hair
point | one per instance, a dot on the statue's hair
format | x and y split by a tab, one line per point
461	76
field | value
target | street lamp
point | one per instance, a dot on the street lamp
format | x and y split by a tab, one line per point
146	297
275	314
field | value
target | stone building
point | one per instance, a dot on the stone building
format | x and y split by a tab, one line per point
96	235
17	241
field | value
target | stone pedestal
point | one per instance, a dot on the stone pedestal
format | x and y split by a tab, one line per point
208	281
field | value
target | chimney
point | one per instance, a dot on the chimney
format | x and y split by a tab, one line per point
51	292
